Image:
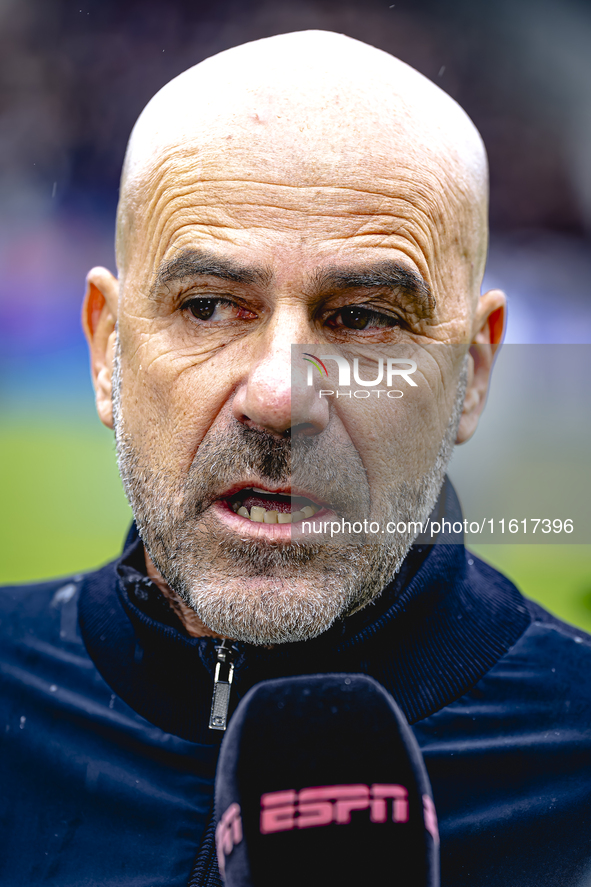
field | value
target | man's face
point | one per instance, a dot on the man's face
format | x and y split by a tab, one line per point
227	270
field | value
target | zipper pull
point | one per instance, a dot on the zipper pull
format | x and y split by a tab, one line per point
222	684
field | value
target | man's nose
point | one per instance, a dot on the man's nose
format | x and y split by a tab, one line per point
274	396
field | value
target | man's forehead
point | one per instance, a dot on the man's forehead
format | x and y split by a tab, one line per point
267	123
311	94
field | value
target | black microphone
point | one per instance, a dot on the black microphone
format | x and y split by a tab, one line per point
320	782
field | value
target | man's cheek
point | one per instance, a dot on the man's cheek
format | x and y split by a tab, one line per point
397	431
168	411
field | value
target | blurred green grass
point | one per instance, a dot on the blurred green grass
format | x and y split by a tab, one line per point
63	508
63	511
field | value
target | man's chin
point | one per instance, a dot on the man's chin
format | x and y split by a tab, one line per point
274	594
267	610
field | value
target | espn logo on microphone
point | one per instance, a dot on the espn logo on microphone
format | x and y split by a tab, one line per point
322	805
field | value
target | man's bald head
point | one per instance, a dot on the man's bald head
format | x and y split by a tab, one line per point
311	109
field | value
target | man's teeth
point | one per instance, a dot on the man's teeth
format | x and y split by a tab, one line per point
262	516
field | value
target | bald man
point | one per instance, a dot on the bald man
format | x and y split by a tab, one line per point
296	338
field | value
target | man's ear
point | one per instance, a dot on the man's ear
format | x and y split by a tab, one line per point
488	329
99	317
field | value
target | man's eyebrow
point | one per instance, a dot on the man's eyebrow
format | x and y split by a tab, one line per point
198	263
390	275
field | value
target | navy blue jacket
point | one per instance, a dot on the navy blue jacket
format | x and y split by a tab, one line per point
107	762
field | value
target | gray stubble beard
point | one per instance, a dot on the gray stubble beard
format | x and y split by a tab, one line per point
306	586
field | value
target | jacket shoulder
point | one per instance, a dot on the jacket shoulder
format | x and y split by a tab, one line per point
37	608
569	633
35	595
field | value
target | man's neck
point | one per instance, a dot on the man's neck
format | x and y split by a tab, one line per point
189	618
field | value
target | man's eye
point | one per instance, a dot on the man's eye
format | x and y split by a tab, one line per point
217	309
202	309
357	318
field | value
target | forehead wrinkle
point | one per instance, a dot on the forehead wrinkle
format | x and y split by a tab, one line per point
167	212
411	204
411	190
188	175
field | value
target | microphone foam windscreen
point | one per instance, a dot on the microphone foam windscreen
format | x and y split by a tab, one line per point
320	781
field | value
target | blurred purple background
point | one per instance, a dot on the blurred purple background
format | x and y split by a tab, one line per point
75	75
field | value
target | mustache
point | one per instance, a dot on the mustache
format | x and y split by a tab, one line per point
328	469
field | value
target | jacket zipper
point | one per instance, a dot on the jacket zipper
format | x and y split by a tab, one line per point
222	685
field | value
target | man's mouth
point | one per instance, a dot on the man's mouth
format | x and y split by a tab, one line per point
264	506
